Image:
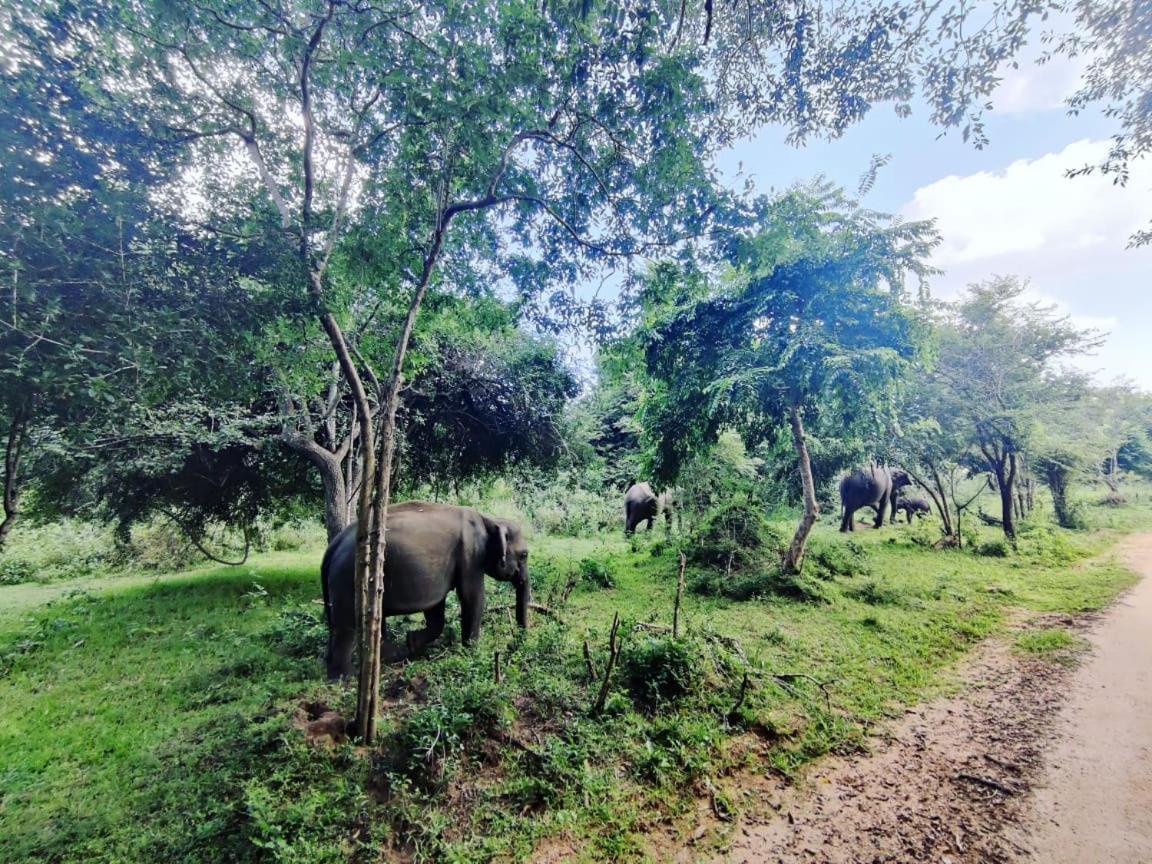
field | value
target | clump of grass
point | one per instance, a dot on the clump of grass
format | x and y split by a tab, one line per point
874	593
1049	641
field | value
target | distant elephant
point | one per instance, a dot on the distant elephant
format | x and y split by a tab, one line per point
431	549
642	504
913	505
874	486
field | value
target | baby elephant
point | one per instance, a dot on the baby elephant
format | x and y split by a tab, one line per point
914	505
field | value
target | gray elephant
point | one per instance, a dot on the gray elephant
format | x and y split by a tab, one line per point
642	504
431	549
910	506
875	486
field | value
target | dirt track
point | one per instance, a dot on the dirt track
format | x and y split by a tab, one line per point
1033	762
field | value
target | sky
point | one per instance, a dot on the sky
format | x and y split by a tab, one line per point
1005	210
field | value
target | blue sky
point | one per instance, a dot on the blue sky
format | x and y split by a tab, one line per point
1006	209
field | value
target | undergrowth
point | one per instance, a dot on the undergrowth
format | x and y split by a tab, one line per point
163	720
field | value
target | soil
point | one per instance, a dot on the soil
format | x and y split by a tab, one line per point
1035	760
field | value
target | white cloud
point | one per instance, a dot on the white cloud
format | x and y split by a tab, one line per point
1066	236
1031	88
1031	206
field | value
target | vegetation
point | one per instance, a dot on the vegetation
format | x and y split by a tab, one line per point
181	702
263	262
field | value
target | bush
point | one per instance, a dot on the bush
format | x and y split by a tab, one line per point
827	559
160	545
298	633
292	536
758	584
997	548
426	741
597	573
68	549
734	538
662	671
14	571
874	594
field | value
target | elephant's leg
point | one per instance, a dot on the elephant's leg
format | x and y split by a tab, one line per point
650	518
848	523
418	640
471	611
338	659
881	508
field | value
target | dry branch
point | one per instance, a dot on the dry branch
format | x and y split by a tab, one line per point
592	676
679	597
613	653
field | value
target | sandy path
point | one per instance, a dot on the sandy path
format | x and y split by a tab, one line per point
953	781
1093	799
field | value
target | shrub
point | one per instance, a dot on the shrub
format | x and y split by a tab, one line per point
68	549
14	571
734	537
829	558
597	573
757	584
298	633
660	671
874	594
997	548
427	741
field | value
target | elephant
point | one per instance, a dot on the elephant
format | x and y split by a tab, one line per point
431	549
913	505
642	504
874	486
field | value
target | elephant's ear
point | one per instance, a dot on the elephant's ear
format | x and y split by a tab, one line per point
503	542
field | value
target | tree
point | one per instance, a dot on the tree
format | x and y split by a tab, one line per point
549	137
809	319
996	359
1113	37
936	451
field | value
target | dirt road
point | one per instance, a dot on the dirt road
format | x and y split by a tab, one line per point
1034	761
1093	799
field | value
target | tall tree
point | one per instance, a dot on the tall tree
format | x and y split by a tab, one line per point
580	130
998	356
810	318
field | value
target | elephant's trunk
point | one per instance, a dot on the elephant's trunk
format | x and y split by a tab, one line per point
523	598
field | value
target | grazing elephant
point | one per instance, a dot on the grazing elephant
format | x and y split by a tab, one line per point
913	505
642	504
431	549
874	486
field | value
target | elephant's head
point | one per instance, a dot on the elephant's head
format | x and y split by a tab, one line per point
900	479
508	562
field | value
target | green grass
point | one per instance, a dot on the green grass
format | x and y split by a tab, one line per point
1052	642
151	718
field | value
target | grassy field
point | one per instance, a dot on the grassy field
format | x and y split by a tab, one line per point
148	718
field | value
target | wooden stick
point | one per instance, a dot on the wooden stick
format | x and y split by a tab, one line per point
613	652
740	698
679	596
592	676
496	667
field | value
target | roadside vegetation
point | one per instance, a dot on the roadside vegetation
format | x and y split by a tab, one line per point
163	715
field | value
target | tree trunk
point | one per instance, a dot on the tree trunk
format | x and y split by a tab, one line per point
950	532
794	559
336	511
1006	481
1056	476
17	432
